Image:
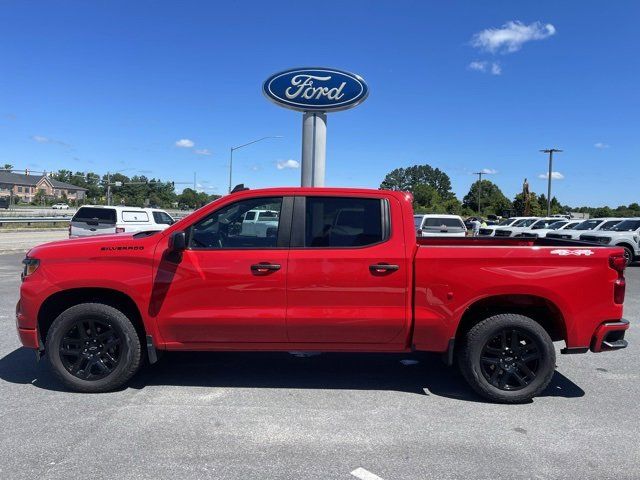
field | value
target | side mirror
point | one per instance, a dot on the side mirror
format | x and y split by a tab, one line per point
177	242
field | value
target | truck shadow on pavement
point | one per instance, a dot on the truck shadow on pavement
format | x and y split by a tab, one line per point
419	373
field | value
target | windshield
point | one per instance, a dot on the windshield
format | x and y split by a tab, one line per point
608	226
96	215
506	221
527	222
627	226
556	225
588	224
542	223
443	222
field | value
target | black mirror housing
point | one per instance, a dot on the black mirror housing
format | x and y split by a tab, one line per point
177	242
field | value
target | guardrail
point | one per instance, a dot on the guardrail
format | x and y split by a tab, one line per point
29	220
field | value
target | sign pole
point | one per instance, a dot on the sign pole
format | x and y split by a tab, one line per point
314	149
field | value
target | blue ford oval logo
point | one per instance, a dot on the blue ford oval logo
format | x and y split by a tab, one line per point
316	89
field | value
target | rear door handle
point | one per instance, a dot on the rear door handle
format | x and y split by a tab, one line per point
264	267
383	268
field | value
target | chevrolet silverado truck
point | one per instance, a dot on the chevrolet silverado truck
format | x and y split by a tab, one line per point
341	271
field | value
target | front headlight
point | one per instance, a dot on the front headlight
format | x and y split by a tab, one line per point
30	266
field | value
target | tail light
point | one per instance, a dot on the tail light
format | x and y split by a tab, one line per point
119	229
618	263
419	233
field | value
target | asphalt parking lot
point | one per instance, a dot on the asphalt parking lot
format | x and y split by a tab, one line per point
267	416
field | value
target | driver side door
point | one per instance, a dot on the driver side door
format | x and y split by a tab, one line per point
229	286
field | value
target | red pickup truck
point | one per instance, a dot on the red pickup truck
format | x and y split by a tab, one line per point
335	270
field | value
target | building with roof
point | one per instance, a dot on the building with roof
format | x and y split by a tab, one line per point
25	187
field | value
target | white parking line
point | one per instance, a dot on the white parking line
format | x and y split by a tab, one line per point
363	474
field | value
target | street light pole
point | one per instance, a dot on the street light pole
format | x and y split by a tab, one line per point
550	151
479	191
241	146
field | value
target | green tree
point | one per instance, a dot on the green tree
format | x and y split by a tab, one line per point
493	200
407	179
519	205
7	166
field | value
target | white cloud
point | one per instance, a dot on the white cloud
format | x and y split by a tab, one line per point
511	36
478	66
554	176
185	143
282	164
601	145
43	139
493	68
489	171
203	151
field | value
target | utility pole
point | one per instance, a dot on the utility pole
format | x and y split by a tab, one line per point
479	191
550	151
108	188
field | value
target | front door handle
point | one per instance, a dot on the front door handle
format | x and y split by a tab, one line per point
383	268
264	267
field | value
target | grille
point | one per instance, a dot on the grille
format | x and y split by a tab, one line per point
485	231
503	233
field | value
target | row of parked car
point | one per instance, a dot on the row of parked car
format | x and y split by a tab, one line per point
622	232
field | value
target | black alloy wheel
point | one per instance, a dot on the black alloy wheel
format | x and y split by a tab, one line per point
510	359
91	349
507	358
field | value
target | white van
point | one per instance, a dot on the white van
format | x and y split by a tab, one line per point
99	220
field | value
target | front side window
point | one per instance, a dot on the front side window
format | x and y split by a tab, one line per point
162	218
228	227
343	222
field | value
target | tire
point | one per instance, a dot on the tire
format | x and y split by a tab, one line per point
628	255
101	359
483	357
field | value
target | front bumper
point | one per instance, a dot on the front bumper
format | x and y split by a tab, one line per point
28	336
610	336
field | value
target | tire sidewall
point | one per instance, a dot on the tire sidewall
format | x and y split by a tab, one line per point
488	330
130	345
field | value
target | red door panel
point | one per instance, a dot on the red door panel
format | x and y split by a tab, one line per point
215	296
333	295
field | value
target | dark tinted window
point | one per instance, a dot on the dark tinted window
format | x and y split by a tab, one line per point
90	214
226	228
627	226
446	222
162	218
342	222
588	225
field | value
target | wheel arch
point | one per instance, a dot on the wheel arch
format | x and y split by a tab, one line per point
58	302
540	309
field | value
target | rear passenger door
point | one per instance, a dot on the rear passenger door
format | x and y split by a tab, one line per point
348	276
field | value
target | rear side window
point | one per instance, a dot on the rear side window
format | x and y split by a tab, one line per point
133	216
343	222
90	214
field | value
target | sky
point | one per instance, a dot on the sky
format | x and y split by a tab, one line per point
164	89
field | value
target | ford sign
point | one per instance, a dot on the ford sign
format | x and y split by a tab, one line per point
316	89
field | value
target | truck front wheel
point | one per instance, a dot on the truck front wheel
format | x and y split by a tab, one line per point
507	358
93	347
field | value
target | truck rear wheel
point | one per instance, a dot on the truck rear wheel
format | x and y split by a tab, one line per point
507	358
93	347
